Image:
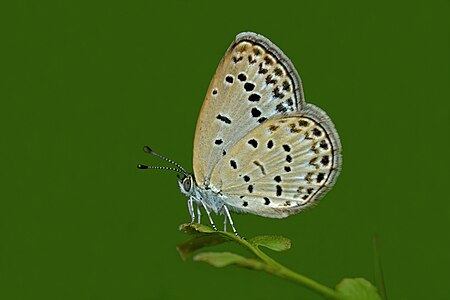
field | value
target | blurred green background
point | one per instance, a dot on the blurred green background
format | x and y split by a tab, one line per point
86	84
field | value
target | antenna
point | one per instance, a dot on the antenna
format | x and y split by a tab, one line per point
143	167
178	168
150	151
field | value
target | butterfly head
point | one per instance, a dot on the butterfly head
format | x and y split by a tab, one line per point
186	184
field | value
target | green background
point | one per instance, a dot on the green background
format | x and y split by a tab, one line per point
86	84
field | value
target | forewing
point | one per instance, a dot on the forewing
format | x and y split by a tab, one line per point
254	81
282	166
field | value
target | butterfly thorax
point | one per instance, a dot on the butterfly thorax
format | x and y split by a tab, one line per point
212	199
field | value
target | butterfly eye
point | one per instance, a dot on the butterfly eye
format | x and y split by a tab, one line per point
187	184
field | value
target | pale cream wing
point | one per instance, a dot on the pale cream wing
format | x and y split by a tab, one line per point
282	166
254	81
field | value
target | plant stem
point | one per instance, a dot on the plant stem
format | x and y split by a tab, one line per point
307	282
379	278
279	270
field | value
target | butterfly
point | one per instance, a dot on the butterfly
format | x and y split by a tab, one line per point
259	148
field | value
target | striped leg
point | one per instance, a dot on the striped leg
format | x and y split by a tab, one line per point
199	213
227	215
191	209
209	215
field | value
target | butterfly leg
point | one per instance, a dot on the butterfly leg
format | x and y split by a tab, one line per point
191	209
227	213
199	213
209	215
225	224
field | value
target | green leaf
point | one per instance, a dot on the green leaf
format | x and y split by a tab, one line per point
186	248
202	236
357	289
193	228
273	242
223	259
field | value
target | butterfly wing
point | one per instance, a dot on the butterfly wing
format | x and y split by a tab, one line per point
282	166
254	81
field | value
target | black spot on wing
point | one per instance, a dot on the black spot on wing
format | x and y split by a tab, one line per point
251	60
276	93
270	79
255	112
253	143
273	128
285	105
320	177
223	119
268	60
323	144
317	132
248	86
256	51
237	59
233	164
254	98
286	86
294	129
303	123
262	119
242	77
279	190
261	69
280	108
278	71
